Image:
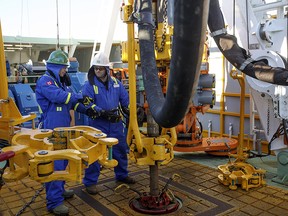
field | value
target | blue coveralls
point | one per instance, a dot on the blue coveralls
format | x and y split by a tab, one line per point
8	70
108	98
56	100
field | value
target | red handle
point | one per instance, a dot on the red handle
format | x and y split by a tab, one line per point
6	155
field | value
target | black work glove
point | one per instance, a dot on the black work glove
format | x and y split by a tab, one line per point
125	110
111	115
140	115
91	113
86	100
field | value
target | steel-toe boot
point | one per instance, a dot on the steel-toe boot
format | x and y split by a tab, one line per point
91	189
61	210
68	194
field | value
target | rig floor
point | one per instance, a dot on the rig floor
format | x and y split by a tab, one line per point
198	189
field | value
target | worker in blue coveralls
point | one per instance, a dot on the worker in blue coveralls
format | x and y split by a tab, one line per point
106	93
56	100
8	69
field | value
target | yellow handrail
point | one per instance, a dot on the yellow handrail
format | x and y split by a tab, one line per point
133	124
241	79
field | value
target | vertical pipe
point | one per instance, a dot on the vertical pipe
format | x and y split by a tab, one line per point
230	130
152	126
242	112
154	180
222	99
241	80
209	128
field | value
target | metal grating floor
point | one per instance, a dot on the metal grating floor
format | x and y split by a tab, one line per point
198	188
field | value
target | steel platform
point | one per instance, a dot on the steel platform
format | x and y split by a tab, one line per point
198	189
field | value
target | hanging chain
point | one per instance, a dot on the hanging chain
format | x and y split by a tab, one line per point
165	26
32	200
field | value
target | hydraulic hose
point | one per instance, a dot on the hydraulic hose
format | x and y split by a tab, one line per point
190	21
238	56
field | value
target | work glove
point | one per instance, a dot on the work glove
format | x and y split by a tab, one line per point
140	114
111	115
86	100
125	110
91	113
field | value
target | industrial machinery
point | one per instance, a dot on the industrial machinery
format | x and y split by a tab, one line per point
36	150
177	64
171	51
33	151
190	130
265	38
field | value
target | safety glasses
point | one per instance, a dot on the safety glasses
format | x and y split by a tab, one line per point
99	68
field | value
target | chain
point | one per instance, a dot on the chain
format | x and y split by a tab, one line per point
32	200
165	26
268	118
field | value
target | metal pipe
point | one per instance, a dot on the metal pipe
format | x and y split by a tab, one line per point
242	111
154	180
230	130
222	99
209	128
152	126
227	113
241	80
252	114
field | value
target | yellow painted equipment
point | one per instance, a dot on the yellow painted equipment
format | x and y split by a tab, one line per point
147	149
10	115
239	172
144	150
36	150
33	151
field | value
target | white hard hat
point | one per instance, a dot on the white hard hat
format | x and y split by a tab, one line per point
101	59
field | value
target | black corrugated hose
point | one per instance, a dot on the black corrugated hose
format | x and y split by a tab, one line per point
190	21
